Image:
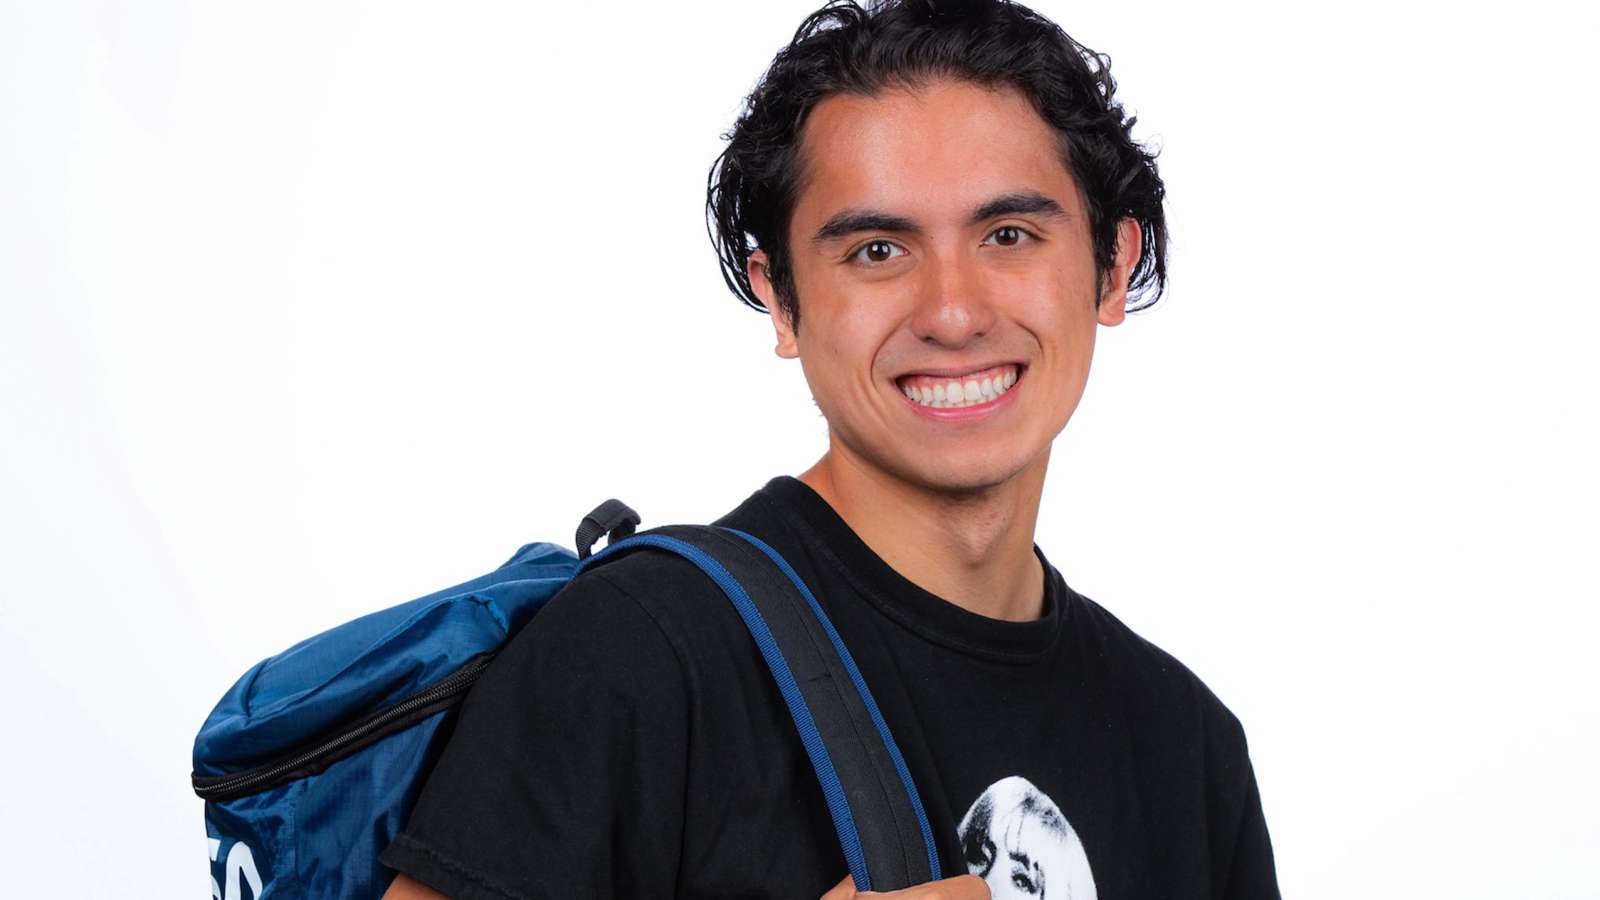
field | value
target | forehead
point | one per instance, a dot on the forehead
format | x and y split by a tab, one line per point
932	152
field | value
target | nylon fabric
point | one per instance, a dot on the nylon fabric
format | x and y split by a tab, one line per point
321	835
369	662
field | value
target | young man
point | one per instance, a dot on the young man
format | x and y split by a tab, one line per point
940	204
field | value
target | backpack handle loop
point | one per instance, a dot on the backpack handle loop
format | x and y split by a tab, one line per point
613	518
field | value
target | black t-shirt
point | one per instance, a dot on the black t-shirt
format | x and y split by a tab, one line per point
632	743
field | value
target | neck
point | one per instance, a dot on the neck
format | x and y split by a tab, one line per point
972	548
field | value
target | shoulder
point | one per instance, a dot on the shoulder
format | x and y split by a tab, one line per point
602	633
642	600
1153	681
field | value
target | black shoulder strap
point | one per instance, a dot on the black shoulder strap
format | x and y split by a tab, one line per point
876	810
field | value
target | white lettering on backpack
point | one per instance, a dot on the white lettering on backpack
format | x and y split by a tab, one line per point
240	866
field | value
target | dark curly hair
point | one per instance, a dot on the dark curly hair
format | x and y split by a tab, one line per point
753	186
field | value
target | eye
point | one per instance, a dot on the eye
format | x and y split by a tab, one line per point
1023	883
1011	235
878	251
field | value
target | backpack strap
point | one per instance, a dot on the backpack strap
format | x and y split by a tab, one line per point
888	844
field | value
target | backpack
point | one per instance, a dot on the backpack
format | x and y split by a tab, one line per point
310	763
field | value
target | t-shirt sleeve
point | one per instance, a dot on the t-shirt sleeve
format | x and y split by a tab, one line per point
566	772
1253	873
1244	868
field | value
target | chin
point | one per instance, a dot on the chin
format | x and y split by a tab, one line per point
961	478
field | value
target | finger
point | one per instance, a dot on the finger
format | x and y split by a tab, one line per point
844	890
965	887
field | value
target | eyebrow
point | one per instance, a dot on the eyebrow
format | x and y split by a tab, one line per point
850	221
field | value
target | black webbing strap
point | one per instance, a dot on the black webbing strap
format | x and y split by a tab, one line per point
612	518
876	812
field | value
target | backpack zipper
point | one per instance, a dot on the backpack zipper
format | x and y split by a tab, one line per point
346	740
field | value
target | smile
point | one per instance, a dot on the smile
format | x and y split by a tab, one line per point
970	389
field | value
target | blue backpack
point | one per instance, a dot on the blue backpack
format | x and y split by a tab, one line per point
310	764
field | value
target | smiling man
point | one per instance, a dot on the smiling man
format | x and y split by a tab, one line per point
940	205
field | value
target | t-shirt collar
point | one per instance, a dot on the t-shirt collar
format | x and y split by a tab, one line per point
897	597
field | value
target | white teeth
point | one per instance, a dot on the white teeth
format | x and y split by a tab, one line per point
955	394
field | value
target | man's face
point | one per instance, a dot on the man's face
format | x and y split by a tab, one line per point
939	242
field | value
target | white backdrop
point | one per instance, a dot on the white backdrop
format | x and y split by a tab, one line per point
307	308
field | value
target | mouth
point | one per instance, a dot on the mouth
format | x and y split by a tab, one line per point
960	389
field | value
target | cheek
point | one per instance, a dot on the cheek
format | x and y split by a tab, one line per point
828	364
1063	324
844	338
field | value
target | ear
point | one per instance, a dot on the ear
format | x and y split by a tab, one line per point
761	283
1114	296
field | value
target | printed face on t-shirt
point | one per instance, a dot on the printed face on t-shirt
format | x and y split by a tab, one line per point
1016	839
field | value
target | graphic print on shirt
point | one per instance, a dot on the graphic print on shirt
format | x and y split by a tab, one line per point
1016	839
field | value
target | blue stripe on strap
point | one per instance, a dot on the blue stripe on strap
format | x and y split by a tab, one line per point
866	696
832	789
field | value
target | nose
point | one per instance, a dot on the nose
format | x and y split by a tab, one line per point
953	308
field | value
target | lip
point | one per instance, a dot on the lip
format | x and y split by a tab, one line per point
962	413
959	371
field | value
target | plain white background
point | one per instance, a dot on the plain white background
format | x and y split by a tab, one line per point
308	308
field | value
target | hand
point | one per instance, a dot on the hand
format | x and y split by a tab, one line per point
966	887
